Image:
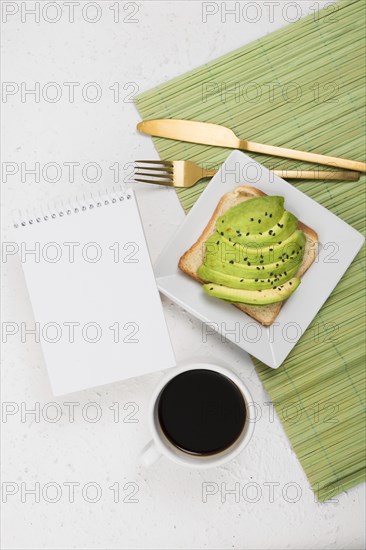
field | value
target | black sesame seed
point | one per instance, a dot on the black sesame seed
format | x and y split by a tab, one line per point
222	221
245	259
248	263
270	215
252	219
265	214
271	249
279	242
274	234
268	280
287	256
247	234
293	252
270	231
300	247
290	283
230	239
261	261
231	262
259	221
262	266
258	267
241	280
222	233
211	288
271	274
260	233
262	281
217	242
285	272
256	280
277	265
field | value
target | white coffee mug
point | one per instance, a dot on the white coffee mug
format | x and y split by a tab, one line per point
161	446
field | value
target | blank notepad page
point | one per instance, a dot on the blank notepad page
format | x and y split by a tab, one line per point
93	292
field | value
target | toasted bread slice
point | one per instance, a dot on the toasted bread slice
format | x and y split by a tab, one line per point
193	258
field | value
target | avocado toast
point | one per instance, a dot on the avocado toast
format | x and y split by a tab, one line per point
252	253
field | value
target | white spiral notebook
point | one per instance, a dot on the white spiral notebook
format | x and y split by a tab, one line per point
95	301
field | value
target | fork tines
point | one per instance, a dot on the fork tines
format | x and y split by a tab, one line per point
161	172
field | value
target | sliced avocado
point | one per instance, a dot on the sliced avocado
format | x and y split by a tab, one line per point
253	216
210	275
230	250
285	226
255	253
247	270
253	297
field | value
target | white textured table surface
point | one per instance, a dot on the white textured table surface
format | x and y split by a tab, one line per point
129	47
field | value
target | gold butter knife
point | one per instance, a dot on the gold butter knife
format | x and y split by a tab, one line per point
220	136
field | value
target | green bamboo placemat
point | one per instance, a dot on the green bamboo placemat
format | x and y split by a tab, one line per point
301	87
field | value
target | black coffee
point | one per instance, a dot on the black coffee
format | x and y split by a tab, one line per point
201	412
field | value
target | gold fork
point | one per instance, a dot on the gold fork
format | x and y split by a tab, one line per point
185	173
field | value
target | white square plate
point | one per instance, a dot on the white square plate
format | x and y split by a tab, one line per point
339	244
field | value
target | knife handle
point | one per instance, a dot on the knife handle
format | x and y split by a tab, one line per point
273	150
337	175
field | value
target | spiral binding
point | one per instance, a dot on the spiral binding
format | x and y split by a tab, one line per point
85	205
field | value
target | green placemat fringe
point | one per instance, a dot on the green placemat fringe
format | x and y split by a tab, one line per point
315	70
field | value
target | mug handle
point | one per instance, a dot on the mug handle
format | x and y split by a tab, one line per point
149	454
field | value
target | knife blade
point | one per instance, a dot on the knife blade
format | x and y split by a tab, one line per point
204	133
